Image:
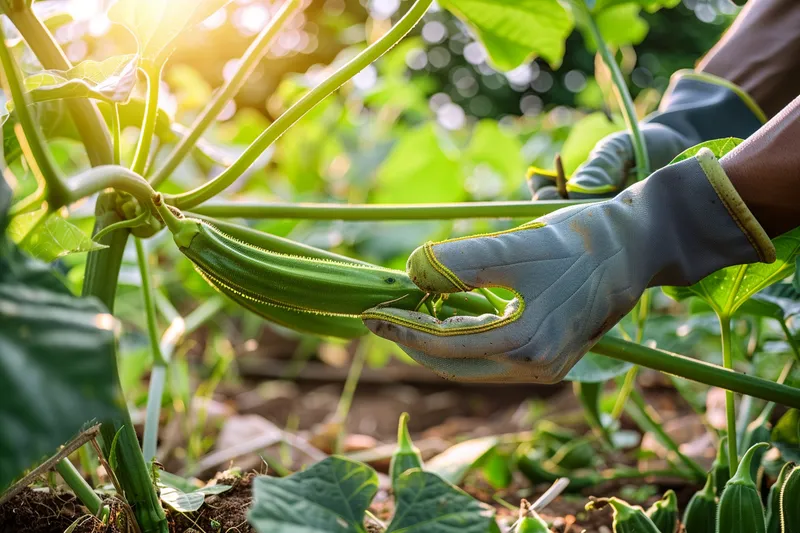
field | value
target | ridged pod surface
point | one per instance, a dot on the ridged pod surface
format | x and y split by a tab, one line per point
790	502
664	513
774	500
740	509
700	515
627	518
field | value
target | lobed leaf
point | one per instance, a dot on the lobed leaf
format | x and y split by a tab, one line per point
331	496
514	31
112	80
425	503
156	23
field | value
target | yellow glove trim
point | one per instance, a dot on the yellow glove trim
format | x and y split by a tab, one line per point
735	205
547	174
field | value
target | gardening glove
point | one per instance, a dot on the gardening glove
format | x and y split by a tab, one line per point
575	272
697	107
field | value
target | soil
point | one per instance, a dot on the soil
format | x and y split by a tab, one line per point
442	413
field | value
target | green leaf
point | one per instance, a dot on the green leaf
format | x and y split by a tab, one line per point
649	5
418	170
787	429
594	368
57	368
111	80
783	297
514	31
583	136
500	150
331	496
453	464
156	23
54	238
727	289
619	25
718	147
191	501
425	503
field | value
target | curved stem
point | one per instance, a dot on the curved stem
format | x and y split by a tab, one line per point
120	178
363	212
56	190
88	120
81	488
301	107
252	56
153	75
698	371
624	97
730	406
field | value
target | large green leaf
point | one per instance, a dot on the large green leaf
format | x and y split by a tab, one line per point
425	503
156	23
329	497
54	238
57	369
594	368
111	80
620	25
727	289
718	147
418	170
514	31
649	5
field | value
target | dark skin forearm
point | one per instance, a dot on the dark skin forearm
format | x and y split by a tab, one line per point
761	53
765	169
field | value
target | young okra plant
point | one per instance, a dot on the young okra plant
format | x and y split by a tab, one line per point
285	282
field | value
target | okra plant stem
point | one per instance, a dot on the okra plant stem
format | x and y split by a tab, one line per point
301	107
247	64
159	371
56	194
730	406
153	75
624	97
87	118
82	489
97	179
695	370
378	212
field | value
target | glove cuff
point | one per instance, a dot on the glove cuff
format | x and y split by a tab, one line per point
736	207
705	77
702	107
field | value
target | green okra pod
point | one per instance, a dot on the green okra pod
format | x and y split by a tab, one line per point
664	513
740	509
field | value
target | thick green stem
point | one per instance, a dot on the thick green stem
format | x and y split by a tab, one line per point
639	411
373	212
159	371
301	107
625	100
153	76
100	281
97	179
699	371
249	61
81	488
730	405
56	189
88	120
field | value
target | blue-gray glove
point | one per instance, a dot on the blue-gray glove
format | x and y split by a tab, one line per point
575	272
697	107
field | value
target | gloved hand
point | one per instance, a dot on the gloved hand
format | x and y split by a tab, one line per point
575	272
697	107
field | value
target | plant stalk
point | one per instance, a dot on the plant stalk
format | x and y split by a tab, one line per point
730	405
249	61
698	371
624	97
159	370
301	107
57	194
153	75
132	472
82	489
380	212
88	120
99	178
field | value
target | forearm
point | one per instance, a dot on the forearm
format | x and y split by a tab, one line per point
761	53
765	170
